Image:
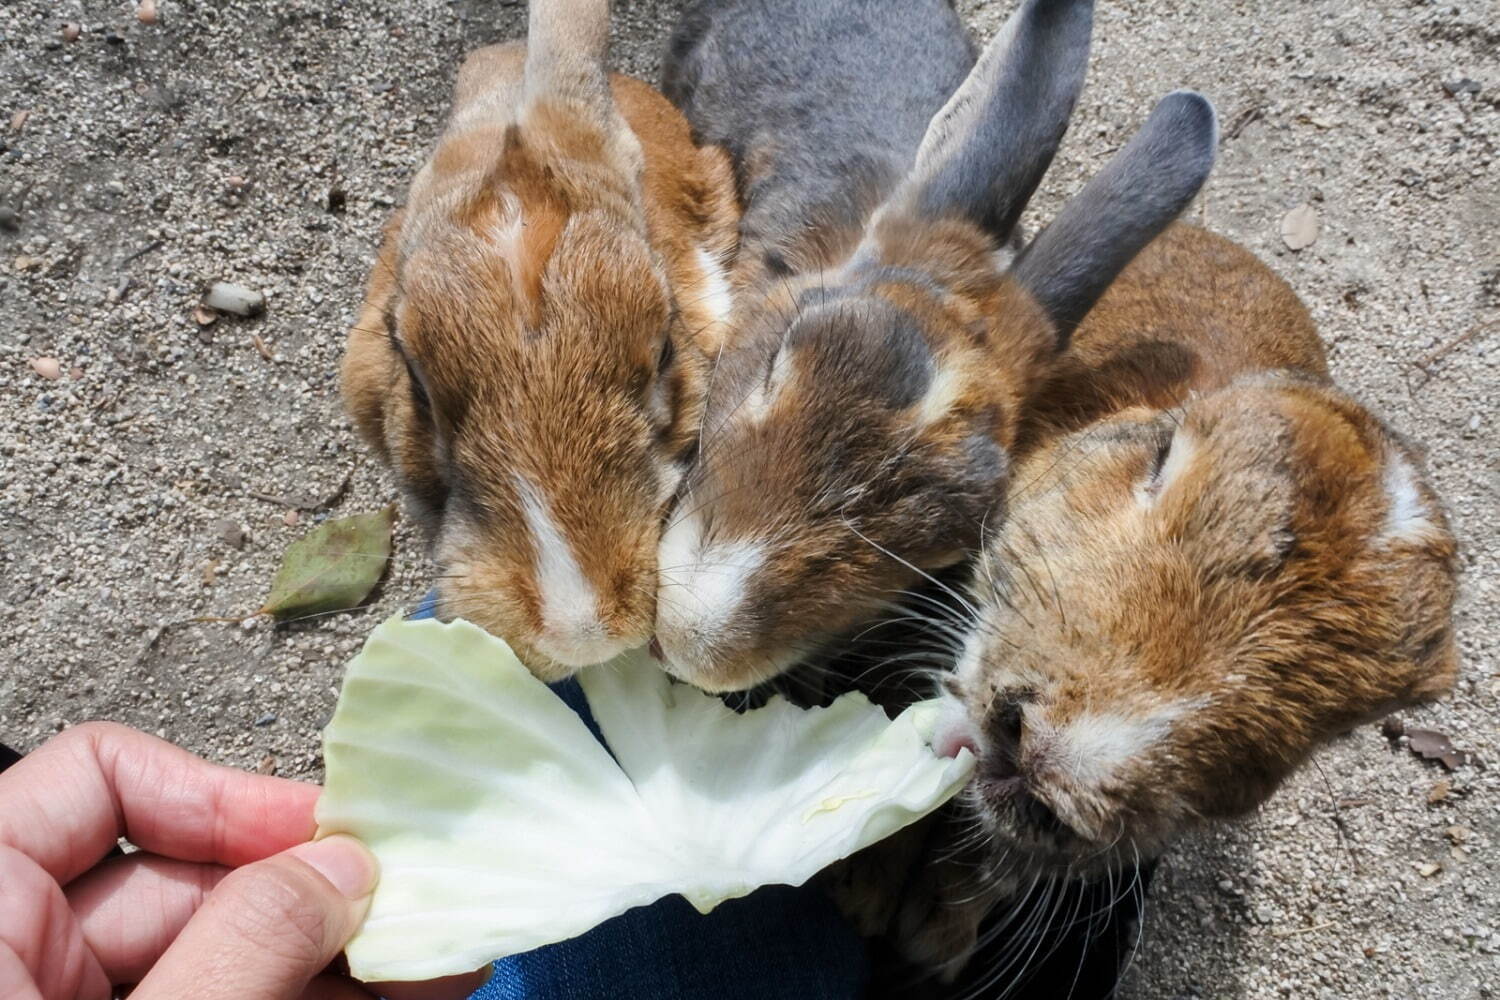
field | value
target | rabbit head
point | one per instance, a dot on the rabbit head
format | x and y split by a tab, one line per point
526	359
1182	605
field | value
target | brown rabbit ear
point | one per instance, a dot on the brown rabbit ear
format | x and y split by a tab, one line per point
566	46
985	152
1126	205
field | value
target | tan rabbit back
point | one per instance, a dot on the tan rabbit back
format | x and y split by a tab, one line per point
1190	314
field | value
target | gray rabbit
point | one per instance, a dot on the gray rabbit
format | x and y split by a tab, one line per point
886	332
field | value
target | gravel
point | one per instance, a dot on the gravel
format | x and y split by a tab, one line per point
150	482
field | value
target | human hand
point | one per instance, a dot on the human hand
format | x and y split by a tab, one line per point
225	898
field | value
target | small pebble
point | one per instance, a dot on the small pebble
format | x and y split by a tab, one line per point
47	368
204	316
71	31
146	13
226	296
18	120
1300	227
267	765
266	720
291	518
230	533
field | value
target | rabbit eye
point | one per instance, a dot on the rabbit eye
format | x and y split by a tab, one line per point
1163	449
668	353
1162	467
418	390
418	386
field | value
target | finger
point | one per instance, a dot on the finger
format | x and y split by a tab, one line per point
15	978
130	909
68	802
268	928
42	951
447	988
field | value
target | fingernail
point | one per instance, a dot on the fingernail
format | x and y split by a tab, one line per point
342	860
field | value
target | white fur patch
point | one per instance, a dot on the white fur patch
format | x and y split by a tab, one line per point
970	664
758	404
1094	746
1408	519
507	231
718	299
572	632
702	587
942	393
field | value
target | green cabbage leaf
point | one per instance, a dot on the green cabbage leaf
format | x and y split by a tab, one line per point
501	824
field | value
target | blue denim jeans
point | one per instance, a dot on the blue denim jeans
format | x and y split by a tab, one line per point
778	943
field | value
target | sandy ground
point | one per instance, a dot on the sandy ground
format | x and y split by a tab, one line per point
140	163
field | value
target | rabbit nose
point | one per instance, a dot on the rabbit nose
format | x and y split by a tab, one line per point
581	646
686	653
1004	729
1006	723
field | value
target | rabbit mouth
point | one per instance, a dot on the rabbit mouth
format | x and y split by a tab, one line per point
1027	836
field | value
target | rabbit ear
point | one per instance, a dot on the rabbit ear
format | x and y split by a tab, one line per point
1126	205
985	152
566	45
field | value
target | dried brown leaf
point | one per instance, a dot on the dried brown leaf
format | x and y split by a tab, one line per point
1433	745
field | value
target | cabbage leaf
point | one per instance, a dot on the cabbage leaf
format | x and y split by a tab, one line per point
501	824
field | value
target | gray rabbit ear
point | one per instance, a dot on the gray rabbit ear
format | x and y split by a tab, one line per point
567	42
1140	191
985	152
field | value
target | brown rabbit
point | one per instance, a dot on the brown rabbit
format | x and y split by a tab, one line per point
531	355
1213	561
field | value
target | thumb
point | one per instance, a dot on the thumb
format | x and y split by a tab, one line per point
270	927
